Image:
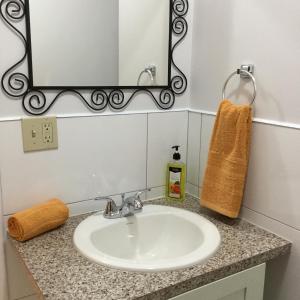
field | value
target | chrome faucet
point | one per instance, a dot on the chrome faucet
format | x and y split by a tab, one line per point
130	206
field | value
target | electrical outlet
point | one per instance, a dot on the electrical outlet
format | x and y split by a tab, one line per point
39	134
47	132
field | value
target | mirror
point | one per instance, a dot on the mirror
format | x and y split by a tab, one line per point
99	43
102	52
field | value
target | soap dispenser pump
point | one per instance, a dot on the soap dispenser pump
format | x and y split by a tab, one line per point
176	170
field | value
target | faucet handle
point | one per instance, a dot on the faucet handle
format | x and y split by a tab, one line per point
138	202
108	199
139	193
111	206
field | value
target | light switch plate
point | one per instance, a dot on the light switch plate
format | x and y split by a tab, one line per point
39	134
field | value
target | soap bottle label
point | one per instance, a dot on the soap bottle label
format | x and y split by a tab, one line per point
175	182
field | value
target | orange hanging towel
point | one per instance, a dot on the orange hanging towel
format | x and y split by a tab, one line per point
226	170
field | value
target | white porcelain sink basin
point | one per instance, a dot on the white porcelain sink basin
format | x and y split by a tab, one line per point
157	239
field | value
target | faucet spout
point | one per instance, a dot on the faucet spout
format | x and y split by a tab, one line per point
127	210
128	206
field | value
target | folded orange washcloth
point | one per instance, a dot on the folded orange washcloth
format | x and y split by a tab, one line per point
226	170
40	218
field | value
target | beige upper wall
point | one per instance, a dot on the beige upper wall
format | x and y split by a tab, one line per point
265	33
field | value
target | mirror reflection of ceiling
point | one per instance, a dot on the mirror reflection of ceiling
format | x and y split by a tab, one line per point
99	43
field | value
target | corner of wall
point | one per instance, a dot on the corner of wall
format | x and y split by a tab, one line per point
3	277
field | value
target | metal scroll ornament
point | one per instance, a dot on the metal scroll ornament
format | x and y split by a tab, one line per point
36	101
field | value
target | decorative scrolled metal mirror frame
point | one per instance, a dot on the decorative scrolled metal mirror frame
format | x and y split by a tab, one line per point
34	101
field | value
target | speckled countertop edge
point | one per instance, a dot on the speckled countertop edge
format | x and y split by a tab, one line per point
62	273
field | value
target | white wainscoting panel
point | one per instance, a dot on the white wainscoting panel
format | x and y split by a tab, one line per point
3	285
274	173
164	131
194	139
96	156
283	273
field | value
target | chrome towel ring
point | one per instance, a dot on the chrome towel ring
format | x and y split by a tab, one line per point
151	71
245	72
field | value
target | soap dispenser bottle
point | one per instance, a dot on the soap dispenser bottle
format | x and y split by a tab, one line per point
176	170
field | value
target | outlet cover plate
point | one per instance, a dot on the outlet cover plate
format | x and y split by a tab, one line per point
39	134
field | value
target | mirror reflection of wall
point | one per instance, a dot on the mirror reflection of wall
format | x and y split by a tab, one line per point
90	43
143	40
71	48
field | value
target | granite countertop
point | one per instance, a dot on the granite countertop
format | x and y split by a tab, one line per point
61	272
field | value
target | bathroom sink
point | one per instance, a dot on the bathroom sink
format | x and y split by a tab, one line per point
159	238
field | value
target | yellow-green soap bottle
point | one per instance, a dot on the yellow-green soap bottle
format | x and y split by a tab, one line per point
176	170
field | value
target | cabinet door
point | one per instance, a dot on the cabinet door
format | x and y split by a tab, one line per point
246	285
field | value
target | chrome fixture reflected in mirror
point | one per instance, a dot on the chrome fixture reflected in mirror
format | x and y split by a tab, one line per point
104	52
151	72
